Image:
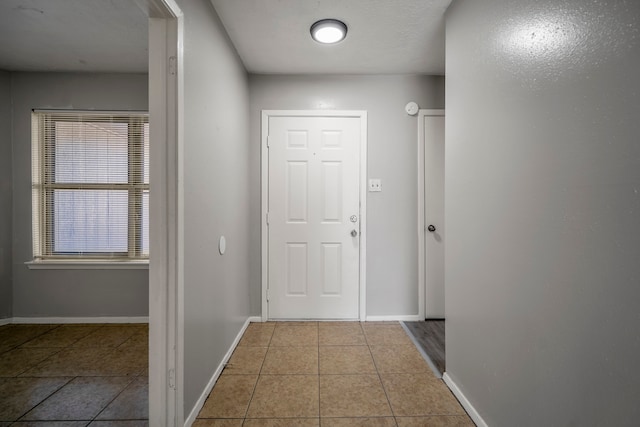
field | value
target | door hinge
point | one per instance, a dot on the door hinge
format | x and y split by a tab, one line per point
172	378
267	294
172	65
267	218
268	141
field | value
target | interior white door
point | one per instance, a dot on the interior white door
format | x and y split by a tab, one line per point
313	217
434	215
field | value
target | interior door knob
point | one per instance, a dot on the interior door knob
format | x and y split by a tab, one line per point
431	228
354	233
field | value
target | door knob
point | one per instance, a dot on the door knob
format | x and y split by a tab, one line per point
354	233
431	228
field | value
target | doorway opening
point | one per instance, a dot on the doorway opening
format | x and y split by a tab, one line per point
165	229
429	335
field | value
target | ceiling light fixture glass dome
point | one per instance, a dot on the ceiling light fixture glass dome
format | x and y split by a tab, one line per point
328	31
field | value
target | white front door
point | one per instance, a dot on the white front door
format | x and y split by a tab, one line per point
313	217
434	214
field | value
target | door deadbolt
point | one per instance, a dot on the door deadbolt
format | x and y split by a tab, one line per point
431	228
354	233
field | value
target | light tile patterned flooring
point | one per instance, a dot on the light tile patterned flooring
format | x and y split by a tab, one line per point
281	374
74	375
329	374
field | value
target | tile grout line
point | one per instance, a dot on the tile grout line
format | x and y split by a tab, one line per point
393	414
255	386
71	347
369	346
22	372
45	399
30	339
56	390
114	398
319	388
59	349
71	378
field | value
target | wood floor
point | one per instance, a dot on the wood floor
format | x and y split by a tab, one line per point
430	335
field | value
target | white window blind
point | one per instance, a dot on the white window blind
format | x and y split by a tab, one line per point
90	185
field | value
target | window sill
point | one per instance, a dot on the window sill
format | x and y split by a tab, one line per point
87	265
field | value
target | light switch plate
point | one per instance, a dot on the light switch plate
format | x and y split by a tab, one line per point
375	185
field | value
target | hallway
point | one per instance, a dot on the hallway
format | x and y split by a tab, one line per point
329	374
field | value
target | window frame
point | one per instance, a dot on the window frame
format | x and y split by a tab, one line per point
44	186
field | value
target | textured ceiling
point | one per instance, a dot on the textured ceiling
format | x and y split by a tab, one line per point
384	37
271	36
73	35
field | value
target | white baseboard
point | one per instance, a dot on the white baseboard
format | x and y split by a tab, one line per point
203	397
255	319
475	416
49	320
6	321
401	317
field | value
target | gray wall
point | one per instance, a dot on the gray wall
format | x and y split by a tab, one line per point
5	195
392	243
68	293
542	210
216	196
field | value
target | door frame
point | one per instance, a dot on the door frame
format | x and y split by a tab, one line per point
264	158
422	277
166	112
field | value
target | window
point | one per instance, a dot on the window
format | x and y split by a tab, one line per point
90	185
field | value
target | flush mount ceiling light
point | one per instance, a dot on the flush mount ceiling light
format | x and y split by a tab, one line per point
328	31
